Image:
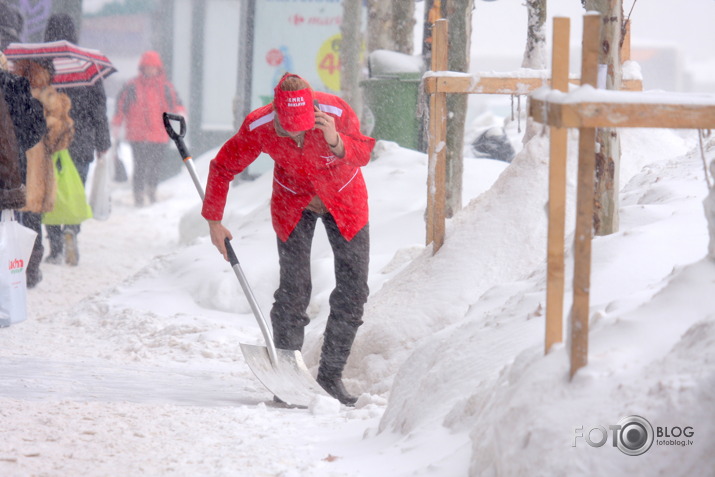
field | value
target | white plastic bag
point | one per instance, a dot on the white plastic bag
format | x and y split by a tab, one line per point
16	242
100	196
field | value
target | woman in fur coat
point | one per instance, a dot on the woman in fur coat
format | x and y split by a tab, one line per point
40	183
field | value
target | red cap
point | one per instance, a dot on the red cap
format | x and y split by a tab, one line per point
294	109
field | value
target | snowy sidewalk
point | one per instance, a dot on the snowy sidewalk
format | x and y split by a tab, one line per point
86	392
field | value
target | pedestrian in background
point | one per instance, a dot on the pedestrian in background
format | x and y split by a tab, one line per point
91	136
140	105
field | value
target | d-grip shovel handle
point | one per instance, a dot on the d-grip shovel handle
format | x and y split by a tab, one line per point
178	138
168	117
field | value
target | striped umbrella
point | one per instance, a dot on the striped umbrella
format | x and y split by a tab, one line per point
74	65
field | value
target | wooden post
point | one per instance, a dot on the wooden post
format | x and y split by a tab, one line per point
626	46
584	208
557	192
437	152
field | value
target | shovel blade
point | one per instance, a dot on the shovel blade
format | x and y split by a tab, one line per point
289	380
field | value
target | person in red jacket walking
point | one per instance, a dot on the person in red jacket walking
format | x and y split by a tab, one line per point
140	105
315	141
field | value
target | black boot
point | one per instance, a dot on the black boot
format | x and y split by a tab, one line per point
54	234
33	277
338	340
334	386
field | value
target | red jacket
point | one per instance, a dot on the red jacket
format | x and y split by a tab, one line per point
141	103
299	174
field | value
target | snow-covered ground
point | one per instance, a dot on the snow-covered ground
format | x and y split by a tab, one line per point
129	363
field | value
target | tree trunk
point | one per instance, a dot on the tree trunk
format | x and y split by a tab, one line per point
403	13
608	152
350	54
379	26
459	15
535	51
390	25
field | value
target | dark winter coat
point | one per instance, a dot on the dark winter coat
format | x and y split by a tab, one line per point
89	103
25	110
29	125
91	128
12	190
300	173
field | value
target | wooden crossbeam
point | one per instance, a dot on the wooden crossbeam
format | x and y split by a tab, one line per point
456	83
630	112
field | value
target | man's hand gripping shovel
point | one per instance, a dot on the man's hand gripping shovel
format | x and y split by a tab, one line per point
283	372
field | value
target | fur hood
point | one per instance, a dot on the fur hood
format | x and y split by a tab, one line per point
60	126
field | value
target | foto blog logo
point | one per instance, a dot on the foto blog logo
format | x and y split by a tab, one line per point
633	435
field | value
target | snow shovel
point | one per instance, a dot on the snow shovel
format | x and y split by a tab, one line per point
283	372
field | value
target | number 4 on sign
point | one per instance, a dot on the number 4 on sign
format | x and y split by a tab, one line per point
327	62
330	63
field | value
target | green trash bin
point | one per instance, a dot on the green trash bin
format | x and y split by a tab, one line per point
391	96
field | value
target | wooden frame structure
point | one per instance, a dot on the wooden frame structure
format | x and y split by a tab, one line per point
438	83
587	110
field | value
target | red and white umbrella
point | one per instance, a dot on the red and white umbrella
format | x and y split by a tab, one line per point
74	65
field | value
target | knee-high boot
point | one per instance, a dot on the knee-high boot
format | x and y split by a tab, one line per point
337	342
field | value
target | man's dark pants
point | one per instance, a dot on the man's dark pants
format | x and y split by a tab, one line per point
347	300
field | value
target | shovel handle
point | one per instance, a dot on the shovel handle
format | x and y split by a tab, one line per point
232	258
178	138
168	117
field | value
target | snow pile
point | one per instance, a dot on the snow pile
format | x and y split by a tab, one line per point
522	412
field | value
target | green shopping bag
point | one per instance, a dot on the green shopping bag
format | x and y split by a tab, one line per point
71	205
